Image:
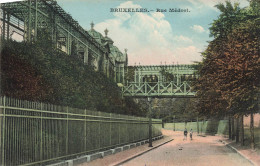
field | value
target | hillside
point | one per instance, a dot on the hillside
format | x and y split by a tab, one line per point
37	72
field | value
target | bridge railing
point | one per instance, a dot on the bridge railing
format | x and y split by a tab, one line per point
33	133
158	89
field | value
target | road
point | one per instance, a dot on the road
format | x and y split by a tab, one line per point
201	151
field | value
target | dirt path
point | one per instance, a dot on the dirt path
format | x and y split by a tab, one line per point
201	151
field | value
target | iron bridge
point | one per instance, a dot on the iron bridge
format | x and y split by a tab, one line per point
161	81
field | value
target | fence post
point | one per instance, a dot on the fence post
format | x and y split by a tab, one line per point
67	132
110	130
85	131
2	133
41	156
99	130
118	130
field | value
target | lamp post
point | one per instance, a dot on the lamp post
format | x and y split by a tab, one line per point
174	123
150	122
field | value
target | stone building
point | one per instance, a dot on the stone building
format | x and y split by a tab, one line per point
115	62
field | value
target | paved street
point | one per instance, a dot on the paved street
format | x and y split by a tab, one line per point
200	151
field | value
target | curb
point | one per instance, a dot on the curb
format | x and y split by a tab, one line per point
137	155
235	150
91	157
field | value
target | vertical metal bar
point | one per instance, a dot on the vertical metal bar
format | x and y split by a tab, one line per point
123	74
55	133
4	22
145	88
8	26
158	88
133	88
126	127
67	132
139	73
134	127
184	83
27	134
119	131
14	133
3	134
7	136
36	20
110	130
14	151
31	134
29	28
68	41
54	30
41	139
51	134
171	87
44	128
36	133
85	131
139	126
99	132
19	133
46	135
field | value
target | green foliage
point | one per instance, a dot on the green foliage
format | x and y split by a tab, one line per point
229	74
38	72
179	109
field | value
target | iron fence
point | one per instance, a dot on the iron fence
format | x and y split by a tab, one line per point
34	133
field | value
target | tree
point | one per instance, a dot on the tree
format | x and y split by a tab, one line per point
229	74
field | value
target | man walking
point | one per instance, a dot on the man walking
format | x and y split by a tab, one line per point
185	134
191	132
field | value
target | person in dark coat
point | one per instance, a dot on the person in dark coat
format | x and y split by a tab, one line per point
191	132
185	134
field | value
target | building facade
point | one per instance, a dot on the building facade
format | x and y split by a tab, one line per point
27	19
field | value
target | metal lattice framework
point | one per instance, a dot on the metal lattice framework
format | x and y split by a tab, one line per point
159	89
152	81
31	17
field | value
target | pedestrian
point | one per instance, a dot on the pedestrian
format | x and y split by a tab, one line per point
191	132
185	134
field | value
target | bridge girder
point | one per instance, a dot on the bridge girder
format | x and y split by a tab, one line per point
180	85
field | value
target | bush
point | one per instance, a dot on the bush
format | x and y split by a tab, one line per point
38	72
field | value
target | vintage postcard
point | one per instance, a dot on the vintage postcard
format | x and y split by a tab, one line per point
133	83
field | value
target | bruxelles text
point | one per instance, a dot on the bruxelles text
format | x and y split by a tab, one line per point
133	10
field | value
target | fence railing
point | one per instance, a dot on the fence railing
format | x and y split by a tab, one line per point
33	133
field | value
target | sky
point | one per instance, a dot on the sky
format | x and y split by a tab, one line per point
151	38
